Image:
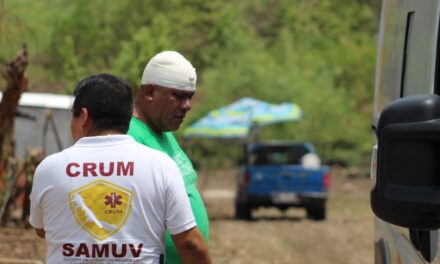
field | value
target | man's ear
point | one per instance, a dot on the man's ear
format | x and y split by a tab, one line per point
147	91
86	122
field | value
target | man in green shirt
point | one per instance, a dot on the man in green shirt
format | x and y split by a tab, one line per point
164	98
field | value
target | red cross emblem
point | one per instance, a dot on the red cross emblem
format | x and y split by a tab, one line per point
113	200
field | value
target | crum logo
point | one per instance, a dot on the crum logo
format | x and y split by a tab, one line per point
101	250
101	208
113	200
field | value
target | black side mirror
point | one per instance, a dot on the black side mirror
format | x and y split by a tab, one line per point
407	189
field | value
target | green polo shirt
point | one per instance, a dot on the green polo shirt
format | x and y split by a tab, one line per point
166	142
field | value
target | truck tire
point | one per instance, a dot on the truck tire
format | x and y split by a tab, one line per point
243	211
316	212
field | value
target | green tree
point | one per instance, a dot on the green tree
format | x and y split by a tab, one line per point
317	54
146	42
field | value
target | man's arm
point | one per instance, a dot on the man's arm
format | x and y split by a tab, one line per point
192	247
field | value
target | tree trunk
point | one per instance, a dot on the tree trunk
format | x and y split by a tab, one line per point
16	84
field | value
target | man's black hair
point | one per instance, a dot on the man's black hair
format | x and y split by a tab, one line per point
108	100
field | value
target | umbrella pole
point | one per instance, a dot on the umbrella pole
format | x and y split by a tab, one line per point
254	130
252	136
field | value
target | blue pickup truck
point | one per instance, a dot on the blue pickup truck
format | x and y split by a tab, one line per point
282	174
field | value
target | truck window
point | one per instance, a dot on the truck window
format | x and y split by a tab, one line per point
278	155
406	51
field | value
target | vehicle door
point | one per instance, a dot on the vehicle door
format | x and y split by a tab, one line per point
407	65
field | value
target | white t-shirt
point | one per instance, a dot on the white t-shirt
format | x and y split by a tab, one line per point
108	199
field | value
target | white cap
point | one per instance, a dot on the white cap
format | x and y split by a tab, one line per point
170	69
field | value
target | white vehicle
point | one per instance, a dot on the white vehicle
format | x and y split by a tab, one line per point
406	159
43	121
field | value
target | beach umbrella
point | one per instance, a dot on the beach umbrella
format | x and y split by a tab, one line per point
239	119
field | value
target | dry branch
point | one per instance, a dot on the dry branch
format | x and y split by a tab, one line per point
16	83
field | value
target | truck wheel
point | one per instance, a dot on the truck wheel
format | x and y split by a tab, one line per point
243	211
316	212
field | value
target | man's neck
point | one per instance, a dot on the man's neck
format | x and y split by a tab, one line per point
138	114
92	133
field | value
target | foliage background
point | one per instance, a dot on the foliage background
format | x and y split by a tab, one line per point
319	54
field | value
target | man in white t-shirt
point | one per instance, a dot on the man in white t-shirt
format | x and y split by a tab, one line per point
108	199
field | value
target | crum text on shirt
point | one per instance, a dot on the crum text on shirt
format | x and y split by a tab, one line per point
92	169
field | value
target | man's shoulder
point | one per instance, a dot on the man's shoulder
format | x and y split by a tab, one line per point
140	133
52	160
149	152
137	127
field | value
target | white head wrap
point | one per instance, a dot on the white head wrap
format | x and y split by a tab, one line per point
170	69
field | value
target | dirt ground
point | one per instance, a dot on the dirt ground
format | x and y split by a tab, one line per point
346	236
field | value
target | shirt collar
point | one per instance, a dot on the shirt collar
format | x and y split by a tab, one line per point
104	140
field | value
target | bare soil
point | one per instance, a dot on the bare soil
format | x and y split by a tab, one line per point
346	236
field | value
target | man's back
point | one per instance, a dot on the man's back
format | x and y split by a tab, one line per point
109	197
